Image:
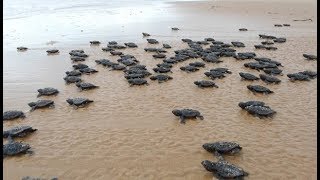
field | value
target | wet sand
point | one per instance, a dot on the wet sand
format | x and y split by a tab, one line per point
130	132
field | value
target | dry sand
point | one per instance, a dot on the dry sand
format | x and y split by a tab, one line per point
130	132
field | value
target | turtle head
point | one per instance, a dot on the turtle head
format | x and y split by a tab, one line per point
170	77
242	105
32	104
153	78
207	146
249	86
196	82
40	90
209	166
5	134
207	73
183	68
241	73
176	112
78	84
70	101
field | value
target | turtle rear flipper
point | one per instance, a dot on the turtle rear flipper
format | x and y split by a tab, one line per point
200	117
52	106
215	86
218	156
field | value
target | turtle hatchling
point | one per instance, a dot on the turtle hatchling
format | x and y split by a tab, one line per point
237	44
72	79
86	86
41	104
161	78
52	51
224	169
152	41
298	76
222	147
197	64
21	48
131	45
116	53
13	148
205	84
187	114
18	131
80	66
251	103
94	42
260	111
159	55
248	76
10	115
259	89
189	68
310	56
269	79
79	102
137	81
88	70
47	91
145	34
243	29
167	46
175	28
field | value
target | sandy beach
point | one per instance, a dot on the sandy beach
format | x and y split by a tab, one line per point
130	132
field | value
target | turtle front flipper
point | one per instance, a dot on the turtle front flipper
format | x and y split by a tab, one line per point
200	117
39	95
182	120
218	156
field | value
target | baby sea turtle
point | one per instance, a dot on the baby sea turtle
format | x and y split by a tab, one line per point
80	66
131	45
267	42
159	55
248	76
13	148
134	76
47	91
88	70
224	169
278	25
10	115
116	53
18	131
286	24
260	111
94	42
52	51
137	81
237	44
243	105
280	40
273	71
158	50
165	65
72	79
259	89
215	74
197	64
107	49
243	29
76	51
41	104
86	86
311	74
189	68
187	114
271	48
186	40
161	78
152	41
222	147
77	58
161	70
79	102
298	76
205	84
113	42
175	29
118	67
116	46
22	48
73	73
213	58
222	70
310	56
209	39
260	46
268	60
269	79
266	36
167	46
145	34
